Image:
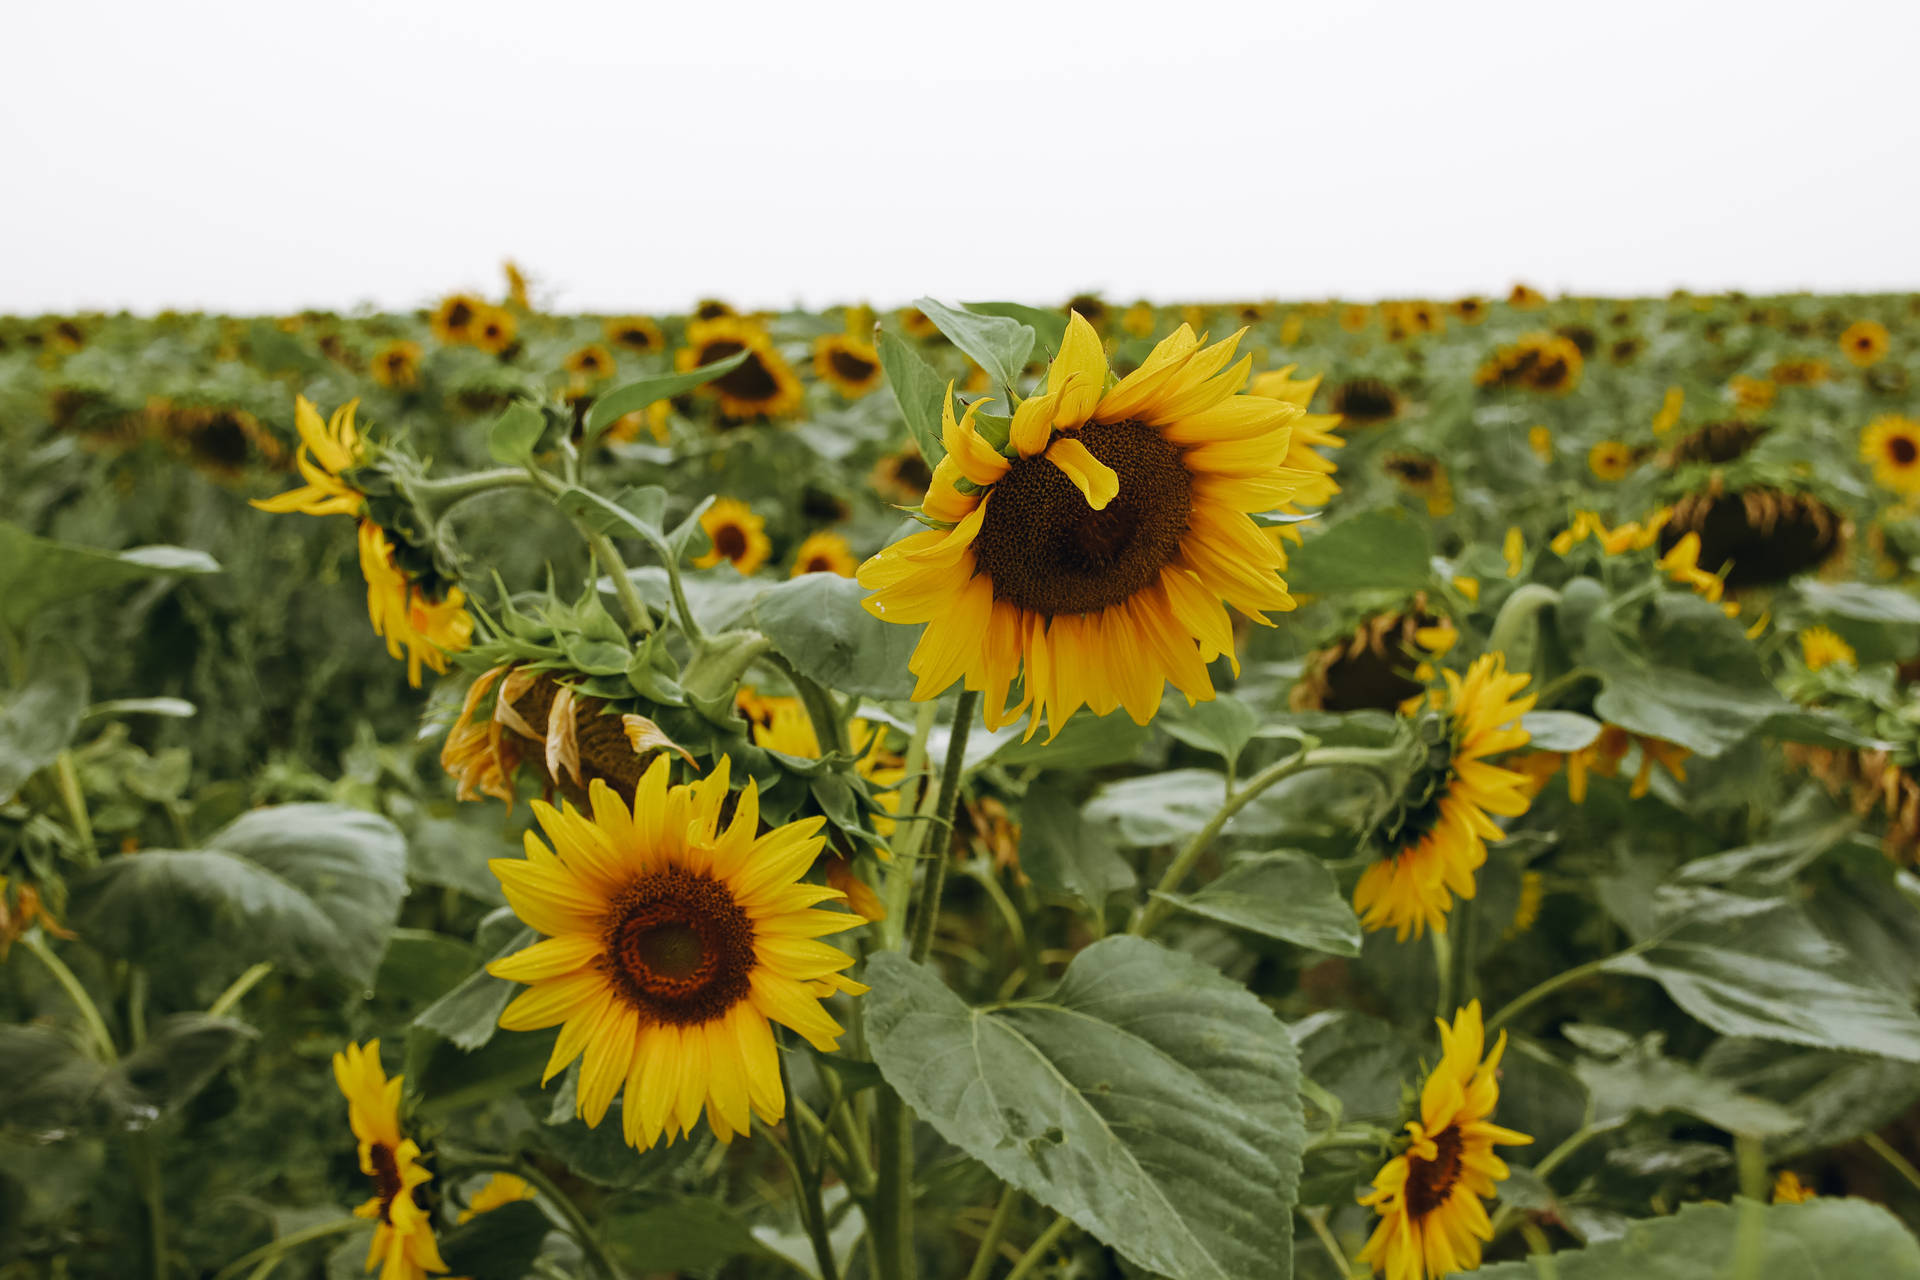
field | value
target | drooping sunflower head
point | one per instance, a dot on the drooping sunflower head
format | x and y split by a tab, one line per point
422	621
739	536
397	365
1435	841
847	364
825	552
1093	550
1865	342
453	320
1716	443
638	334
1428	1197
902	477
1759	536
1375	667
590	363
762	386
403	1245
674	940
220	440
1891	446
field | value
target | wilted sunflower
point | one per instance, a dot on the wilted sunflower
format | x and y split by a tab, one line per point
1428	1197
1823	647
1610	460
672	944
1437	840
1311	432
763	386
1373	668
590	363
1424	476
397	364
1759	535
1542	361
453	320
219	440
739	536
428	629
328	450
1365	401
847	364
638	334
1095	555
1865	342
403	1245
825	553
1891	444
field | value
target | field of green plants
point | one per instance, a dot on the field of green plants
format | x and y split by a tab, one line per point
998	791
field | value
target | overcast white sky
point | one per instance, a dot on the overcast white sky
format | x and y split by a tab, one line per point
264	156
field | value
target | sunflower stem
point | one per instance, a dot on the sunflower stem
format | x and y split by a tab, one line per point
911	829
1317	1219
146	1172
239	988
1040	1248
434	498
75	800
1542	990
1442	973
639	618
1900	1164
996	1229
577	1223
806	1180
928	911
89	1012
1376	759
272	1250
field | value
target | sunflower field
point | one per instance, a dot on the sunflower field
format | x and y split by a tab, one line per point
963	792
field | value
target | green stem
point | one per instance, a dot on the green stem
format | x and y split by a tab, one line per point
273	1249
577	1223
89	1012
910	831
1363	1136
1155	908
639	619
1034	1256
806	1183
996	1229
1517	613
936	882
1750	1228
1540	991
1509	1213
239	987
1544	1265
68	779
1317	1219
146	1170
1901	1165
434	497
1442	973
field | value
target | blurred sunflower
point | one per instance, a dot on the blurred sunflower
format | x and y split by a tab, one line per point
406	614
764	386
713	309
825	552
739	536
673	944
1670	406
1137	320
1823	647
328	450
516	284
1607	752
917	324
500	1189
1095	555
1470	310
1610	460
1438	838
1891	445
403	1244
219	440
1372	668
1525	297
638	334
1799	373
1540	440
590	363
397	364
493	330
1548	362
1428	1197
453	320
1865	342
1751	395
1355	316
847	364
1366	401
1757	536
1424	476
1311	432
1788	1189
903	477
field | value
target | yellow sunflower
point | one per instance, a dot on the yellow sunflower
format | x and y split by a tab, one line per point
1751	395
713	309
403	1244
764	386
1670	406
825	553
638	334
1864	342
1428	1197
672	943
1137	320
500	1189
397	364
494	330
1438	839
1605	754
405	615
222	441
1354	316
453	320
1891	444
1526	298
1799	373
847	364
1682	564
328	450
1610	460
1426	477
590	363
739	536
1094	552
1469	310
1311	431
916	323
1823	647
1788	1189
479	755
1543	361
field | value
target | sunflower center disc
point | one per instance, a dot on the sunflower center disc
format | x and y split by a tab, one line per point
1430	1182
459	316
1903	450
850	366
730	541
750	381
679	948
386	1178
1045	550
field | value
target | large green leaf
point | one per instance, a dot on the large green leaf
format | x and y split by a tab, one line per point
919	392
38	720
1824	1239
1285	895
52	1085
1383	550
1836	1097
677	1236
1222	724
37	572
817	623
1645	1080
1050	327
1063	853
624	399
499	1244
997	344
1157	808
310	887
1149	1099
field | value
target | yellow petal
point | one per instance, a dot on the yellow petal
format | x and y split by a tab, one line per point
1094	478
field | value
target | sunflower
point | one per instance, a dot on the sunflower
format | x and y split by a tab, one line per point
1540	440
1864	342
479	755
1525	297
713	309
1716	443
1751	395
1891	444
738	535
1137	320
656	420
1757	536
1372	668
590	363
1526	912
1311	432
1607	752
1610	460
1548	362
1670	406
1823	647
1513	550
917	324
825	553
1799	373
638	334
847	364
1424	476
403	1244
453	320
516	284
764	386
406	614
1096	548
1788	1189
672	943
494	330
1366	401
1469	310
1428	1197
1438	838
500	1189
221	441
397	364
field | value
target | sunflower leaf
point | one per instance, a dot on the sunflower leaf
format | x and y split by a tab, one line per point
1383	550
39	719
1049	327
632	396
499	1244
37	572
1063	853
1050	1094
919	392
816	622
1285	895
514	433
997	344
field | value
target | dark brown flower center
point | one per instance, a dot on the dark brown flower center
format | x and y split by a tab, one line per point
637	338
459	316
853	368
1046	550
386	1178
222	441
730	540
1902	450
751	381
1430	1182
679	948
912	471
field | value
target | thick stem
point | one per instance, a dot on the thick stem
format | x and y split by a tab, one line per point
1317	1219
1442	974
806	1182
941	833
639	619
89	1012
996	1230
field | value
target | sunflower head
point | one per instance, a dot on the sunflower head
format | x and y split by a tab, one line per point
739	536
674	940
403	1245
918	325
1800	373
1373	668
1891	446
220	440
761	386
590	363
638	334
453	320
493	331
825	552
397	365
846	363
1365	402
1312	432
1865	342
1547	362
1823	647
1759	536
1716	444
1470	310
1610	460
423	619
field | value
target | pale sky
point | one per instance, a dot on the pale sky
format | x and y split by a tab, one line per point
265	156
